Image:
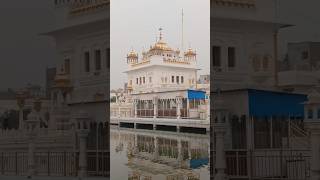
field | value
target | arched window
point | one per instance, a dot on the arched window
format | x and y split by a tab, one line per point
265	62
182	80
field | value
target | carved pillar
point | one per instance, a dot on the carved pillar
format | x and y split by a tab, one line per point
178	103
32	127
119	110
313	125
220	129
155	107
82	118
314	128
208	107
135	103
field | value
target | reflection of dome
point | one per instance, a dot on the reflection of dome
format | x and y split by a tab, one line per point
190	52
132	54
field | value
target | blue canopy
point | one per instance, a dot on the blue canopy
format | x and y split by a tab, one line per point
194	94
269	103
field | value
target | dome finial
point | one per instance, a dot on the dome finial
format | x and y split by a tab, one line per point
160	31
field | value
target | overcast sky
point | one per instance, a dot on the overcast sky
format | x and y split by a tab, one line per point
135	24
25	55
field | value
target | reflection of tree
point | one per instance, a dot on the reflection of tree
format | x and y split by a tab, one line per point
10	119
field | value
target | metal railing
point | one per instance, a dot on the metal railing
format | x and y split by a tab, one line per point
59	164
267	164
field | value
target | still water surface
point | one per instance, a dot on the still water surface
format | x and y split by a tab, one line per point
158	155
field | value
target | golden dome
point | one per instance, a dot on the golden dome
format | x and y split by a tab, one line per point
61	80
161	45
132	54
190	52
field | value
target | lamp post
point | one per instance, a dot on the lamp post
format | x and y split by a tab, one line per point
179	103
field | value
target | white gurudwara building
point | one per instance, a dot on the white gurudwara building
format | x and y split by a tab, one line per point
162	83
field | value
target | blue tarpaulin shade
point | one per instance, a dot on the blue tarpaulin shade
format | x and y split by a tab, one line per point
268	103
194	94
196	163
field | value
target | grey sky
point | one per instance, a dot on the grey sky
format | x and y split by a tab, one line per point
24	54
135	23
305	16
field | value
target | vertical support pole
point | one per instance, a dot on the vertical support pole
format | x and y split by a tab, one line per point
220	131
155	107
48	159
16	162
178	102
97	148
65	163
220	152
2	164
271	132
119	110
313	125
21	125
31	163
82	118
135	108
315	146
83	154
289	132
188	107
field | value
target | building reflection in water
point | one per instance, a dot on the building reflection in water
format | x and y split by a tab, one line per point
155	155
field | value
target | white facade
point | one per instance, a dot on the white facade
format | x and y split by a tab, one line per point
302	67
82	43
161	68
243	48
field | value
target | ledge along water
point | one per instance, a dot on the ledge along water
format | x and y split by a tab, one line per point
163	124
